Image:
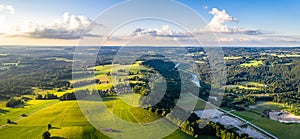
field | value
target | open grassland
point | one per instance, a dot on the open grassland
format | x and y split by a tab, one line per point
254	63
30	108
288	55
65	117
133	119
69	122
254	84
242	87
248	85
256	116
126	108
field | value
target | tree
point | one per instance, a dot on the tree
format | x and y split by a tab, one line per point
49	126
8	121
46	135
14	102
39	96
299	89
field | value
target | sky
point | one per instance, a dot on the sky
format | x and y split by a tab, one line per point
116	22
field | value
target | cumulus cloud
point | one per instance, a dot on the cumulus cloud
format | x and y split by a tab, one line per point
165	31
7	7
70	27
219	18
218	23
2	19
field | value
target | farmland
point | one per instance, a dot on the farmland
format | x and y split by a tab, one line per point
65	117
254	63
68	121
256	82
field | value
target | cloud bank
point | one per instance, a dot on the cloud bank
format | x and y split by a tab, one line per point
165	31
8	8
70	27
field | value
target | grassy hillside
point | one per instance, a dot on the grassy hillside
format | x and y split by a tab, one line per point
69	122
30	108
65	117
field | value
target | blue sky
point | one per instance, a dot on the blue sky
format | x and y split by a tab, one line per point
272	15
275	21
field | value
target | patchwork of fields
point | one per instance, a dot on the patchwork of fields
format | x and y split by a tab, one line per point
68	121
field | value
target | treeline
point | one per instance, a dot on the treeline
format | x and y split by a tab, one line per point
232	100
86	82
82	94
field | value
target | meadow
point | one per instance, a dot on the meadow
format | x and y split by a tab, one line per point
68	121
248	85
65	117
15	113
254	63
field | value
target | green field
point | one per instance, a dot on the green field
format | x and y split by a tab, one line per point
65	117
288	55
254	84
69	122
288	131
15	113
254	63
248	85
242	87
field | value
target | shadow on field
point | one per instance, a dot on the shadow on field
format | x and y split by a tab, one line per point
3	111
111	130
13	123
96	98
57	137
108	98
117	131
54	128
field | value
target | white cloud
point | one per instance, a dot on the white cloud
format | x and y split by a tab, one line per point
7	7
70	27
219	18
165	32
2	19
